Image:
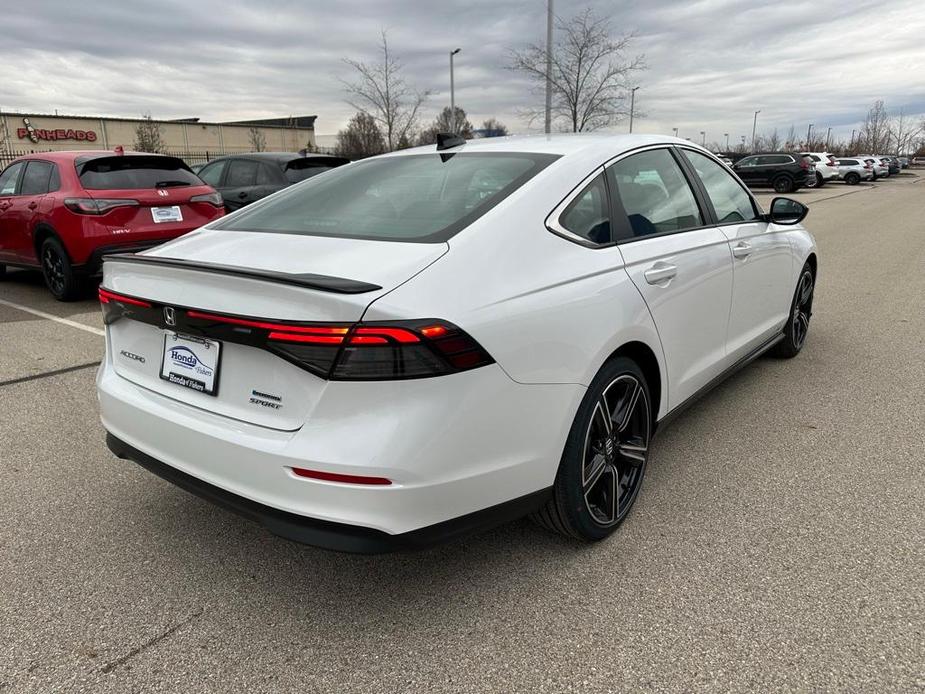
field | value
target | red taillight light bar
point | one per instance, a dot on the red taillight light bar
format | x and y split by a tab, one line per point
97	206
106	296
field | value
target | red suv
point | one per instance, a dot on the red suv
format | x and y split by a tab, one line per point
62	211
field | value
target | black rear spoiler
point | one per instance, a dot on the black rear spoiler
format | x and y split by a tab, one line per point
324	283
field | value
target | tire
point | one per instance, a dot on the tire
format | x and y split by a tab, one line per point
852	179
600	473
820	181
60	278
2	272
801	310
783	184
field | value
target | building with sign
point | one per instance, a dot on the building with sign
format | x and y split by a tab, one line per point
190	138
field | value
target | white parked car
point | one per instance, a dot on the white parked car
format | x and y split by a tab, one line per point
424	343
826	167
880	168
853	171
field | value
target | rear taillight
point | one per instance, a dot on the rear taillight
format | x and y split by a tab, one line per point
804	163
211	198
97	205
373	351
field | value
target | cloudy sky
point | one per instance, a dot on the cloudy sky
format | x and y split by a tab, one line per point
712	63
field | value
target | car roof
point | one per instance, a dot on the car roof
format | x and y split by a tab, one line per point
566	144
276	156
72	155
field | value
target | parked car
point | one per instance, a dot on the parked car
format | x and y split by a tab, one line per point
244	178
430	341
196	168
782	171
903	162
892	164
918	161
880	168
853	171
826	167
61	211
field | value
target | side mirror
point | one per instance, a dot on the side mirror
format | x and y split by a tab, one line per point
787	211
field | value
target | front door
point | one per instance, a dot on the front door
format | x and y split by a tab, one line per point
679	263
9	186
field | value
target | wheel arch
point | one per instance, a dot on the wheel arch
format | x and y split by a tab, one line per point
645	357
40	233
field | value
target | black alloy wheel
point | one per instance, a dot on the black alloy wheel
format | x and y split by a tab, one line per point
800	312
605	457
783	184
59	275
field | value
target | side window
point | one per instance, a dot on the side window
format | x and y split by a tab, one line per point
747	161
654	193
241	172
264	175
588	215
54	181
212	173
9	178
35	180
730	202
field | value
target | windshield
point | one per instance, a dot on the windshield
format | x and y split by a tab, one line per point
135	173
423	198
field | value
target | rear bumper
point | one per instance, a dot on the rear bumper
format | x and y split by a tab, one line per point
336	536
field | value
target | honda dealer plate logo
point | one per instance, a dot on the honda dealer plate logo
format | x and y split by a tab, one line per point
170	317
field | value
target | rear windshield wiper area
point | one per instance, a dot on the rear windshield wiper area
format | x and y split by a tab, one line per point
171	184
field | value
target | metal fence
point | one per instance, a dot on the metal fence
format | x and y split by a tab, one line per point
189	156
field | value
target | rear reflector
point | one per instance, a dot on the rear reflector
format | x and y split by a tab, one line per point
337	477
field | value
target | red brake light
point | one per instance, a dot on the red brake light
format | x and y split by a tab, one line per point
97	205
338	477
211	198
106	296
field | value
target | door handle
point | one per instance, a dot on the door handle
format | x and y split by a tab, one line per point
242	195
660	272
742	250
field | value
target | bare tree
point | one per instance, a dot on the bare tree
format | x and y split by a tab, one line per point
903	133
874	136
257	139
494	128
148	135
447	123
361	138
589	75
381	91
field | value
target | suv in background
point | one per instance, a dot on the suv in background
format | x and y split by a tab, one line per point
893	164
853	171
880	167
61	211
244	178
782	171
826	167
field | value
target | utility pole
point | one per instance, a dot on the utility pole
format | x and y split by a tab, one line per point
548	66
675	132
632	105
754	127
851	142
453	91
703	138
809	131
726	135
827	134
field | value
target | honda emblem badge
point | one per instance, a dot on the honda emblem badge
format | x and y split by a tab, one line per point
170	317
163	193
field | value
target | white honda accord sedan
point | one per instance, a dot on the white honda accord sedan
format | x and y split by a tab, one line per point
425	343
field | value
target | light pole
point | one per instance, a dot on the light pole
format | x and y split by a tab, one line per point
754	126
675	132
743	144
827	134
453	90
851	142
809	131
548	66
703	138
726	135
632	105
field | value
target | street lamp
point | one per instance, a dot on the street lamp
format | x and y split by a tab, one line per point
726	135
703	138
549	20
743	143
632	105
827	133
754	126
809	131
675	132
453	90
851	142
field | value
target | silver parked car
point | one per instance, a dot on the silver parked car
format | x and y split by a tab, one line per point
853	171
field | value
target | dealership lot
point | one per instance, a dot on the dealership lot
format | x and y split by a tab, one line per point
778	544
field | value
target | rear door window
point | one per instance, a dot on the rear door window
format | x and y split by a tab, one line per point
9	178
241	173
654	193
134	172
35	179
212	173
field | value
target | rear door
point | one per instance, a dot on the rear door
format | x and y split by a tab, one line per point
679	262
747	168
761	257
240	183
9	186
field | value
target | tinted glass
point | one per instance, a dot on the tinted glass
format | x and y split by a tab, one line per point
588	215
212	173
54	182
730	202
264	175
747	161
848	162
241	172
8	179
35	180
654	192
424	197
135	172
300	169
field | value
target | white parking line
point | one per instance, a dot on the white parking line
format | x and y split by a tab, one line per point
56	319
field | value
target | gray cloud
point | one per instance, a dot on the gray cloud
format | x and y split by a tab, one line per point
712	62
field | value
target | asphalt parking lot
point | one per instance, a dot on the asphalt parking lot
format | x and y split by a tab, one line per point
778	543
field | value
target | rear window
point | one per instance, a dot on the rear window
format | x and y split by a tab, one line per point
135	172
422	198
